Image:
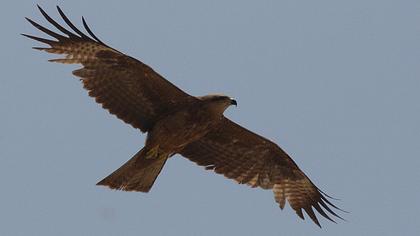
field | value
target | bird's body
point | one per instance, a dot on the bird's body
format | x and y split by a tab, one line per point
168	136
178	123
176	130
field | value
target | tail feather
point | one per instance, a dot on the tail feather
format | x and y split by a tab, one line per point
137	174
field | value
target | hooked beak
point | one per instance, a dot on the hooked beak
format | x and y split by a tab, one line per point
233	102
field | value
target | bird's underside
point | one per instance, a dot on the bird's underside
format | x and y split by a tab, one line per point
139	96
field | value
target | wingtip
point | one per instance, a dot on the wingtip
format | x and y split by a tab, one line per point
32	22
42	11
29	19
330	203
329	196
322	212
27	35
300	214
90	32
71	25
40	48
317	223
42	40
310	212
326	207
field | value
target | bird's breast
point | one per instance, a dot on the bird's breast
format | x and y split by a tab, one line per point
181	128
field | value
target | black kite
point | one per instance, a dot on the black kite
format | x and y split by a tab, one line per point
178	123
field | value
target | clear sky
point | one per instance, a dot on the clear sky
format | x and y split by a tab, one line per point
335	83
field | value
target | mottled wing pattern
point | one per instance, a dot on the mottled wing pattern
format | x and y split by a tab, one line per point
248	158
125	86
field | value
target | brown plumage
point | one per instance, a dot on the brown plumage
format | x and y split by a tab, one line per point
176	122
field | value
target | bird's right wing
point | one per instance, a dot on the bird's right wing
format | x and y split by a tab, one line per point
131	90
250	159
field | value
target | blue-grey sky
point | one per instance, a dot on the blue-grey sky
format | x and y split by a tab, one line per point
335	83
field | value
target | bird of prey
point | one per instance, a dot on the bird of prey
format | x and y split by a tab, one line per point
178	123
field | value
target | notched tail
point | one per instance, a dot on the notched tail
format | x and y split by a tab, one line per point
137	174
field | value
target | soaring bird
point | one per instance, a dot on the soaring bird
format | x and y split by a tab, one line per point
178	123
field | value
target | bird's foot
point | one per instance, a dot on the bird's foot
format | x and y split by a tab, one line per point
153	152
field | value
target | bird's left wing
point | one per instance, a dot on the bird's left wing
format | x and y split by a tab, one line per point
248	158
126	87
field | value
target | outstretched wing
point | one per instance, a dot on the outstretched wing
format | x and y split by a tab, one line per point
131	90
248	158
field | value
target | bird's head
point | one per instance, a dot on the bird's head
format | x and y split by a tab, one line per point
218	102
